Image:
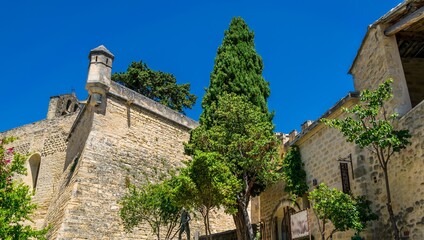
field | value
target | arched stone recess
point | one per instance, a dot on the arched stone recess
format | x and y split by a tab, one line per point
33	169
280	219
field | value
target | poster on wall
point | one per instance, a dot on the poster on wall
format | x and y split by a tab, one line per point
299	224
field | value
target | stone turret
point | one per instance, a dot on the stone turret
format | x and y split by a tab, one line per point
99	74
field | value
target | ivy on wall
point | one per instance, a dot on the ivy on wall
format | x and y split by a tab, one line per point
294	174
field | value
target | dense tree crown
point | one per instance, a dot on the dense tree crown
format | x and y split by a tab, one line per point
159	86
236	131
343	210
238	69
154	204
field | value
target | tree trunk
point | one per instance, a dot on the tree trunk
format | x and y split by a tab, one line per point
206	223
389	205
158	233
209	225
244	228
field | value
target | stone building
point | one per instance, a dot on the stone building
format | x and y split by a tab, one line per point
81	154
393	47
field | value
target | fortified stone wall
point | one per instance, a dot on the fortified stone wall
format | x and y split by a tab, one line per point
126	142
120	135
86	155
68	182
47	140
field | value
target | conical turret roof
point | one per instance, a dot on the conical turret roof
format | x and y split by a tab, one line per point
102	50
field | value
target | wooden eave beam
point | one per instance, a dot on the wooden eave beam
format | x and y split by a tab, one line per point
410	36
405	22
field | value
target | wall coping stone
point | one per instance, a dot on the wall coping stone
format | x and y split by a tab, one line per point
5	133
146	103
350	96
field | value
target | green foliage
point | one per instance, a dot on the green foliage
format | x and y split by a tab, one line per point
159	86
242	138
235	125
371	125
337	207
373	128
151	203
205	183
293	173
239	149
213	180
15	197
238	69
365	213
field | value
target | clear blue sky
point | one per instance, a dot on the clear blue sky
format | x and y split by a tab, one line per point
307	48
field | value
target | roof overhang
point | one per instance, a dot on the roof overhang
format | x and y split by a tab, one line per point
405	18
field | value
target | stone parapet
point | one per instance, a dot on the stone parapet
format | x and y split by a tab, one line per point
132	97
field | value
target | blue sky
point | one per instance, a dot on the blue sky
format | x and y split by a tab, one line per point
307	48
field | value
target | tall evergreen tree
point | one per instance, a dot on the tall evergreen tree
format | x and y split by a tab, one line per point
235	125
238	69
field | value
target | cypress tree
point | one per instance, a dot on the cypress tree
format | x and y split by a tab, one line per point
235	125
238	69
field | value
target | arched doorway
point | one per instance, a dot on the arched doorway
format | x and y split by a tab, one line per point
285	223
281	220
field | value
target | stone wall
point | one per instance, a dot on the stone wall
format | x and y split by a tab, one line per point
377	60
62	105
321	147
46	138
407	177
89	151
127	141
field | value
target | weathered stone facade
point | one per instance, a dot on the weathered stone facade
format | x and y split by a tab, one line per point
80	156
384	54
85	151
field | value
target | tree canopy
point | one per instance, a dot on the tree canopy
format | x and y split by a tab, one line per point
372	127
235	125
159	86
154	204
343	210
337	207
205	184
242	140
237	69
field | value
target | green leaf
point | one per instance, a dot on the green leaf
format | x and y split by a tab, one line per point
156	85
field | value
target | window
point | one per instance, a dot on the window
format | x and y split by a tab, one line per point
68	106
75	107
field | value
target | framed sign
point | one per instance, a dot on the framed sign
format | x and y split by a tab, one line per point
299	224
